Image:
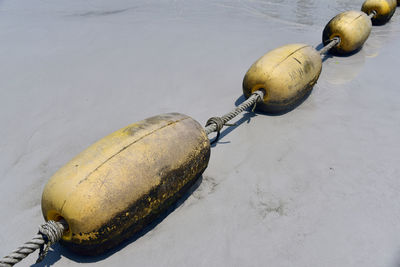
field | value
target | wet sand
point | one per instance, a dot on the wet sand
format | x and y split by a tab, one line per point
317	186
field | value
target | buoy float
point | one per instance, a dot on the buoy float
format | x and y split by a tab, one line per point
384	10
286	74
115	187
351	27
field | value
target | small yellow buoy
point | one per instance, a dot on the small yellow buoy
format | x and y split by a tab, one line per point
384	10
122	182
353	29
286	74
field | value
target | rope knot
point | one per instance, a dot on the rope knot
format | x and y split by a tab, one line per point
52	232
219	124
217	121
260	95
259	98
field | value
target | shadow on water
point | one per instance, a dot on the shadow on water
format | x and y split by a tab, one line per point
246	117
54	255
319	46
327	55
341	69
331	55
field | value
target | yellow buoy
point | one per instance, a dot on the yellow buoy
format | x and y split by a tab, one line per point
122	182
286	74
384	10
353	29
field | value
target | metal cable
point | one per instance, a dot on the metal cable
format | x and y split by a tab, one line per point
332	43
215	124
49	233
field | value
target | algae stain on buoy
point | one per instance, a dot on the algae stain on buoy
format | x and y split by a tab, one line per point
124	181
286	74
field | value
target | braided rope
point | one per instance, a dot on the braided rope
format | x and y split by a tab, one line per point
49	233
215	124
334	42
372	14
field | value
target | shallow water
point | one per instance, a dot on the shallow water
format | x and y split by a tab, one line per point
317	186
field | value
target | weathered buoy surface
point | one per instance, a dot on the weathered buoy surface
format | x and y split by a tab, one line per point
384	10
286	74
353	29
122	182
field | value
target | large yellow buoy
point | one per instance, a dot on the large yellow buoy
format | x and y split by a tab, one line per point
353	29
384	10
122	182
286	74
